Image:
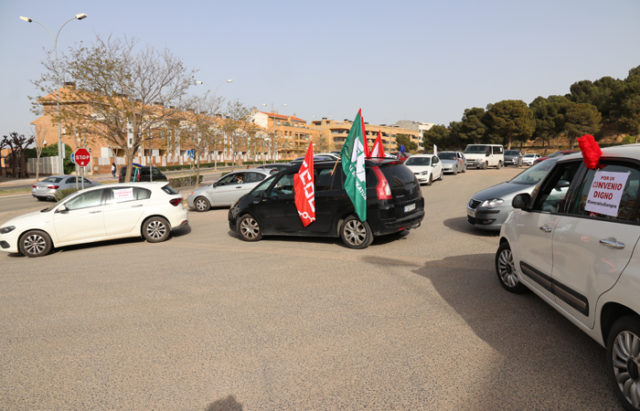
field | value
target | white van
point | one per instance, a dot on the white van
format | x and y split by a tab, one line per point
484	155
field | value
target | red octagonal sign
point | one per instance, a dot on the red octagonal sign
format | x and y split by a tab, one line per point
82	157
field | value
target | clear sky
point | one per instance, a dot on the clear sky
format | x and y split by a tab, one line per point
397	60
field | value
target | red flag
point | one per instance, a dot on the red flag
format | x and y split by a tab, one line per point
378	149
303	186
364	136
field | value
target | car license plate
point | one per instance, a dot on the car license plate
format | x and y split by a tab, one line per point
471	213
409	207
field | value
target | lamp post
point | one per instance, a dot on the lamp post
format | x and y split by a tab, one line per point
79	16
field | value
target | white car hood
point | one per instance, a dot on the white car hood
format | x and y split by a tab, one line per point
24	219
419	169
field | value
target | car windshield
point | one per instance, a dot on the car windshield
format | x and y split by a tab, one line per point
476	149
529	155
418	161
260	188
511	153
535	173
447	156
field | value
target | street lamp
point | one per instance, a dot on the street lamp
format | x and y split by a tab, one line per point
79	16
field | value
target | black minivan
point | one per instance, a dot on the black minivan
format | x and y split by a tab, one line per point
394	204
142	173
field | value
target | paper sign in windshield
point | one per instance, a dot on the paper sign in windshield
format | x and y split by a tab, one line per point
606	192
123	194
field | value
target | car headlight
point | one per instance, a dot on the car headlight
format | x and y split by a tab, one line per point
7	229
494	202
424	173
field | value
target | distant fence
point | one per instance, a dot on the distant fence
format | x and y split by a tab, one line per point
48	165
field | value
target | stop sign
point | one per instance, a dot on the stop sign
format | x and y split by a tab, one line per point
82	157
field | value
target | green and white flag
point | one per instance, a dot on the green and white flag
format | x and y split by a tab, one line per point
352	155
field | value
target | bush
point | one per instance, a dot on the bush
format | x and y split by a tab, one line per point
186	181
60	194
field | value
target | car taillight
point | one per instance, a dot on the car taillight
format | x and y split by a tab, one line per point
382	188
175	201
53	187
33	186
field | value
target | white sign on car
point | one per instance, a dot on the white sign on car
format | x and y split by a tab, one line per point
606	192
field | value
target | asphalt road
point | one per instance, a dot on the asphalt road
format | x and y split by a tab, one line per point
206	321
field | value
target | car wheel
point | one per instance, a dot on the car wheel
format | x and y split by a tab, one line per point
201	204
506	270
499	165
156	229
623	360
430	180
34	243
249	228
485	165
355	233
441	176
455	171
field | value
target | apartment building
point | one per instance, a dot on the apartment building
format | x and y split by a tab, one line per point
286	136
333	134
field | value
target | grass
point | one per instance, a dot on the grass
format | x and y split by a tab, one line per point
12	191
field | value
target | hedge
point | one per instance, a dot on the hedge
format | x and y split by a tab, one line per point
186	181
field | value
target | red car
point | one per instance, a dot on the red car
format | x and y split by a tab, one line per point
556	154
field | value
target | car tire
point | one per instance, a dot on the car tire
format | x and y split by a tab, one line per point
355	233
34	243
455	171
249	228
441	176
505	269
430	180
201	204
623	360
499	165
156	229
485	165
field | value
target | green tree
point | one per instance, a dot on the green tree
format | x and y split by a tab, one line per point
581	119
549	114
473	128
438	135
405	140
629	104
508	120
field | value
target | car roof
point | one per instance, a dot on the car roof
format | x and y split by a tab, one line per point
622	151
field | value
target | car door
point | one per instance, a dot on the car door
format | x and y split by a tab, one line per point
436	166
590	250
278	213
124	208
81	218
534	253
223	190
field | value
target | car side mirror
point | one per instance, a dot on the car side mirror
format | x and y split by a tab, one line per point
521	201
62	209
562	184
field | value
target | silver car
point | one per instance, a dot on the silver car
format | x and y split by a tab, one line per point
227	189
489	208
452	162
50	186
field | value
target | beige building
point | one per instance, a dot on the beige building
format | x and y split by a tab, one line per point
333	134
286	137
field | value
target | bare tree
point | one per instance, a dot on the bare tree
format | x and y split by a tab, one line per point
17	143
235	125
39	141
129	91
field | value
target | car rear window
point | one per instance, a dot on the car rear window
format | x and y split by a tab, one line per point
52	180
397	174
169	190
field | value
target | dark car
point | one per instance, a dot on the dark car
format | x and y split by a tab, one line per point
554	154
275	167
513	158
142	173
394	204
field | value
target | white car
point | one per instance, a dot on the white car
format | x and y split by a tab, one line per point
98	213
575	243
528	159
426	167
227	189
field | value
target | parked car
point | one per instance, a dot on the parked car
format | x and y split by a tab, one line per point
513	158
426	167
318	157
142	173
574	243
554	154
98	213
394	204
227	189
484	155
489	208
274	167
48	188
529	158
452	162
